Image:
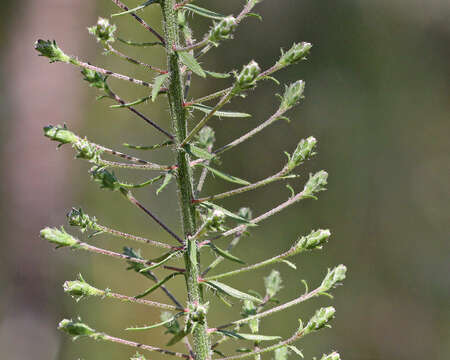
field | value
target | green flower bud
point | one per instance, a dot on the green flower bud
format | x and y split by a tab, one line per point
87	150
80	288
94	78
59	237
51	50
332	356
295	54
315	184
273	283
103	30
206	138
319	319
222	30
292	95
245	213
314	240
303	151
214	221
77	217
333	278
247	78
61	134
106	179
197	311
78	329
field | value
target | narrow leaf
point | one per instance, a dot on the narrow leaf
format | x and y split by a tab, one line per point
252	337
168	321
225	254
199	152
136	102
204	12
217	75
240	219
160	261
189	60
158	284
228	290
290	264
230	178
167	180
147	3
157	84
229	114
297	351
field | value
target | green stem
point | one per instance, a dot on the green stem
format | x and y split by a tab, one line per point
178	116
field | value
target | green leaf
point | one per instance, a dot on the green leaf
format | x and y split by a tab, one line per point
240	219
199	152
162	323
177	338
217	75
251	337
228	290
158	284
230	178
297	351
167	180
225	254
189	60
290	264
204	12
157	84
136	102
147	3
160	261
229	114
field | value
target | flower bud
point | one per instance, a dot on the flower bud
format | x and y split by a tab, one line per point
51	50
94	78
332	356
206	138
87	150
245	213
222	30
59	237
215	220
61	134
315	184
292	95
78	329
303	151
80	288
273	283
295	54
314	240
333	278
106	179
247	78
77	217
103	30
319	319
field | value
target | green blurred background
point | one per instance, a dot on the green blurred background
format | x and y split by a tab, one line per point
377	99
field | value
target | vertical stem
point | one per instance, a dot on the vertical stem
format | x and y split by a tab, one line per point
184	178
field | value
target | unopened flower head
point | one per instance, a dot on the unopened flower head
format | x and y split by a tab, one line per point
61	134
314	240
80	289
304	150
295	54
59	237
216	219
315	184
273	283
87	150
103	30
106	179
333	278
222	30
78	329
320	319
51	50
94	78
247	77
77	217
292	95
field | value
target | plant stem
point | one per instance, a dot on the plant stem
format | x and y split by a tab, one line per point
178	116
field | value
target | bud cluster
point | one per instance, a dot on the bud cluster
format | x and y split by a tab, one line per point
295	54
61	134
222	30
292	95
103	30
319	320
248	76
303	151
77	217
273	283
215	219
87	150
106	179
333	278
59	237
79	289
197	312
94	78
315	184
51	50
78	329
314	240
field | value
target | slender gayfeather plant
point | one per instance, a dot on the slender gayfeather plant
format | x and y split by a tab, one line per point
205	224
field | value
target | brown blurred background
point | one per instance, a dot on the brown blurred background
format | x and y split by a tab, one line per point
377	99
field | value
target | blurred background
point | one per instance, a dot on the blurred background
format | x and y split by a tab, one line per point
377	99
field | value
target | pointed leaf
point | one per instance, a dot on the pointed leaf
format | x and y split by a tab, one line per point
290	264
230	114
167	180
228	290
162	323
204	12
239	219
147	3
199	152
229	178
217	75
158	284
189	60
160	261
252	337
136	102
297	351
157	84
225	254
